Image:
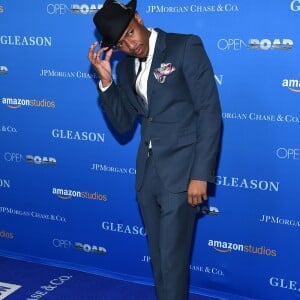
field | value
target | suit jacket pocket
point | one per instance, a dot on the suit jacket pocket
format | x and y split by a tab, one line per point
187	139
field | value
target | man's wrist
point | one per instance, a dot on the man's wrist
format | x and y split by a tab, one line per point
104	85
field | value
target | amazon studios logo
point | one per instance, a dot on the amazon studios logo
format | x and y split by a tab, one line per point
292	84
6	235
21	102
68	194
225	247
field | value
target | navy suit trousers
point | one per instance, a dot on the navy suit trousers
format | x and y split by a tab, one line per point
169	222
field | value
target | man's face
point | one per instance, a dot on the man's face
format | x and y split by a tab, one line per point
135	39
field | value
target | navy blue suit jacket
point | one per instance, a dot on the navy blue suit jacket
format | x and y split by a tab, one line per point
183	118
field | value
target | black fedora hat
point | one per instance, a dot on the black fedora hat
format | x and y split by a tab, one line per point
112	20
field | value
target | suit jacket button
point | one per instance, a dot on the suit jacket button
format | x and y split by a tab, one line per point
150	119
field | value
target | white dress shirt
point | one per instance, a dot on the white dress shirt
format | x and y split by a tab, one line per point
142	80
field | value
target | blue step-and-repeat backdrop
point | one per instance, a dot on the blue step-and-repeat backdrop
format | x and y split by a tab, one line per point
67	179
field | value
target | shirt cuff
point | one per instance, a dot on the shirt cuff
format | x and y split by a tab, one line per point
101	88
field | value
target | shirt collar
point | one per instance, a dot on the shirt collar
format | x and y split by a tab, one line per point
152	42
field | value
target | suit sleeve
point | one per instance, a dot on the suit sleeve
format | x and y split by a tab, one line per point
116	105
199	76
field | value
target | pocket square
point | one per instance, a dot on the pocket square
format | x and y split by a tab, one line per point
163	71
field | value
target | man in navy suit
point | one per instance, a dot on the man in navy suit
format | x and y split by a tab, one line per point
167	79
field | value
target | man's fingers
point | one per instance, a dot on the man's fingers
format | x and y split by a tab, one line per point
108	54
94	56
93	47
195	200
91	51
197	192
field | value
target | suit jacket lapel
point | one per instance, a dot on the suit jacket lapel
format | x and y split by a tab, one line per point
131	75
158	58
